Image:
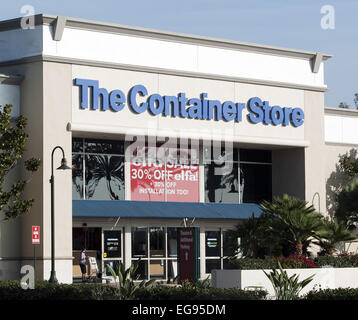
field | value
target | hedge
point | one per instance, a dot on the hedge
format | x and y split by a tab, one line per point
292	262
11	290
333	294
295	262
183	293
341	261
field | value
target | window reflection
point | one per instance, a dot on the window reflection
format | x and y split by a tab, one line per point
157	242
104	177
97	173
213	243
212	264
77	177
172	269
103	146
157	269
256	182
221	182
142	270
172	242
139	242
77	145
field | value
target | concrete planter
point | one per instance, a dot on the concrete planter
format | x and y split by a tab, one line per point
331	278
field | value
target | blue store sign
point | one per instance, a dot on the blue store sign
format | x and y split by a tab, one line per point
183	107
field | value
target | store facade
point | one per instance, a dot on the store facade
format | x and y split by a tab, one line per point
165	131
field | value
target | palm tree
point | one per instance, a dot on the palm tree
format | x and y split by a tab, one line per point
299	221
249	232
331	233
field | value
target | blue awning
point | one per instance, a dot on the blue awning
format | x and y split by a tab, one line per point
156	209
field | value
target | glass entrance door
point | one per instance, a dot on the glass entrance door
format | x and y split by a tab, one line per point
88	238
112	250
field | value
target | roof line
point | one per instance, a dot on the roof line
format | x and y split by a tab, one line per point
341	111
47	19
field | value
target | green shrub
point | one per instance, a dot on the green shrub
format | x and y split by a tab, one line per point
295	262
341	261
192	293
126	280
333	294
335	262
292	262
11	290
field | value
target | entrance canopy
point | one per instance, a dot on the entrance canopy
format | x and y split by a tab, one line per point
156	209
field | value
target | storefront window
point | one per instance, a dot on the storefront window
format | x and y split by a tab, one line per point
172	242
77	177
221	175
104	177
227	239
212	264
157	269
157	242
98	169
237	176
142	270
255	175
89	238
77	145
172	269
139	242
103	146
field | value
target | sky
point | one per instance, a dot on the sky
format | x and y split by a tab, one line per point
295	24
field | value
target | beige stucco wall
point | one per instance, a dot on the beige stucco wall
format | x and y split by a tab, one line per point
45	101
314	133
57	99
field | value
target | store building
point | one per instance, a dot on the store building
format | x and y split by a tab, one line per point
165	130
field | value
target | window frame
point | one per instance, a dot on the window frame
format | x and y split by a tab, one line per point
84	155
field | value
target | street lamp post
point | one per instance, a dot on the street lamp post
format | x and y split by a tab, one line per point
63	166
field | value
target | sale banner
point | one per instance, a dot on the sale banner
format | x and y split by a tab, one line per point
164	182
147	181
182	183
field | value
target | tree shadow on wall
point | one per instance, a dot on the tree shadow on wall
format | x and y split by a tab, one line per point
336	182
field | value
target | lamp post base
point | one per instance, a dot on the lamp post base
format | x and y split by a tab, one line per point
53	278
